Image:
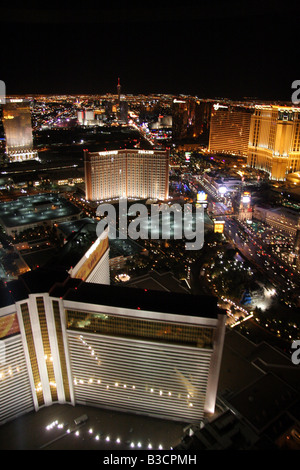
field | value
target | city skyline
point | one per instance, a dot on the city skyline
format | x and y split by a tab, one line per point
150	227
100	293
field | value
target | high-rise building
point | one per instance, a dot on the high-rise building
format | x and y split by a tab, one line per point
179	119
229	129
203	111
18	130
93	266
123	111
274	140
126	173
119	91
190	119
121	106
68	341
86	117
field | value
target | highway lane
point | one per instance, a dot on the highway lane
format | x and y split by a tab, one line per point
255	251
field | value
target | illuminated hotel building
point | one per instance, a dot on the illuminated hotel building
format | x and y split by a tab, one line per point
229	129
64	340
274	142
126	173
18	130
180	119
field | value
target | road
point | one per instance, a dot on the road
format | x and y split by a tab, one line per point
255	251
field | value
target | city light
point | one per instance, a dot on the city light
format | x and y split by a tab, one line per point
223	190
108	324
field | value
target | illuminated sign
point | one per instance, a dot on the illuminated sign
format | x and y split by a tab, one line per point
218	105
187	156
16	100
201	196
219	226
9	325
109	152
246	198
92	248
148	152
92	258
222	190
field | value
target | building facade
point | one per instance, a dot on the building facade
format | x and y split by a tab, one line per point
94	264
126	173
18	130
229	129
68	341
191	120
281	218
274	140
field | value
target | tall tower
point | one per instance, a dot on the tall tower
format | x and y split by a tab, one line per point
126	173
18	130
274	140
229	129
119	91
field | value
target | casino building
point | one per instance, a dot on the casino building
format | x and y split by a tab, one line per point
68	339
229	129
18	130
274	141
128	173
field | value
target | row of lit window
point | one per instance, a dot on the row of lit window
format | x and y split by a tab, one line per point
46	342
148	329
61	349
116	384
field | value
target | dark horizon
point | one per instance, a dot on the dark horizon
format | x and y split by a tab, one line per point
211	51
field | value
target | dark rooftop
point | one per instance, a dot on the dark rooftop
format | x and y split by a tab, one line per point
144	299
58	283
158	281
264	400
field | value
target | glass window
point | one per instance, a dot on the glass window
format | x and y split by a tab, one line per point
151	330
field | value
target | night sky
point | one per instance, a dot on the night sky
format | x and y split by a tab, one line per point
216	49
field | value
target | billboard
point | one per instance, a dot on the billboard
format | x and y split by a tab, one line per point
219	226
246	197
9	325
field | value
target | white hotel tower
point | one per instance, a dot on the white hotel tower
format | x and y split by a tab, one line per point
67	340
